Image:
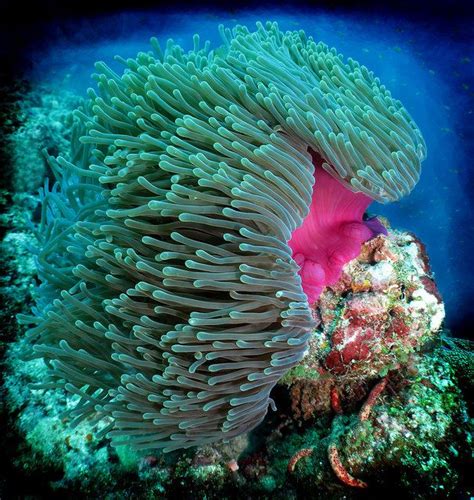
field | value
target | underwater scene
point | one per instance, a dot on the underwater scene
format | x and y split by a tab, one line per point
236	256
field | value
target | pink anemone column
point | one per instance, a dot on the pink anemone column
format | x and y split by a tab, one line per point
332	233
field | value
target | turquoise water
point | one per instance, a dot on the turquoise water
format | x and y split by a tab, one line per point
425	65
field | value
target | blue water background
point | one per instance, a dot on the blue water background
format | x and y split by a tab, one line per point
424	65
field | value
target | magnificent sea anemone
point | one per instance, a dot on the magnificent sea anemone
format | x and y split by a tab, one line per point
209	197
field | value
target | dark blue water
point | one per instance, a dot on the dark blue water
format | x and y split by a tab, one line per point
427	63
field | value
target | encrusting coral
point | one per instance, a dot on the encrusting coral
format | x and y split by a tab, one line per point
172	299
384	309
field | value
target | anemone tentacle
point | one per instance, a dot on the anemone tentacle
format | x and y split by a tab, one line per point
171	302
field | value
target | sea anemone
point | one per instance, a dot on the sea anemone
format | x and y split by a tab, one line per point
183	243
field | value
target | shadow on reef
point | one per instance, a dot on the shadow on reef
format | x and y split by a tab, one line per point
381	401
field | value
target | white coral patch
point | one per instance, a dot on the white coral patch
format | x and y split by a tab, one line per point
425	302
381	275
414	253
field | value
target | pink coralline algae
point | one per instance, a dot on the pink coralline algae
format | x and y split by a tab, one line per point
383	308
386	304
332	233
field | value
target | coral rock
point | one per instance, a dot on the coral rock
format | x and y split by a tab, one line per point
384	308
